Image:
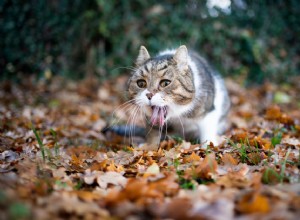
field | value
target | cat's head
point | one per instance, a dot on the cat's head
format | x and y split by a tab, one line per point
162	86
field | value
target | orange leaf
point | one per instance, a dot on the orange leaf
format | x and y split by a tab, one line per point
232	180
253	202
261	142
99	166
273	113
236	178
193	157
75	160
255	158
207	167
240	135
228	159
87	195
113	167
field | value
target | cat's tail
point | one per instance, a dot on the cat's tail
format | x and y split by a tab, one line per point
125	131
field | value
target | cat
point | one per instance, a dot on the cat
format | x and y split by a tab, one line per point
178	90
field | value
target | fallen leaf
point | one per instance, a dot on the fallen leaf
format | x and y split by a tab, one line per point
252	203
236	177
89	176
9	156
153	169
114	168
229	160
110	177
207	167
87	195
193	157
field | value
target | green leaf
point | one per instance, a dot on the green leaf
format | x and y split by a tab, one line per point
281	98
39	142
276	139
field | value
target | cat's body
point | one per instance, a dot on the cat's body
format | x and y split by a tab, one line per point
177	90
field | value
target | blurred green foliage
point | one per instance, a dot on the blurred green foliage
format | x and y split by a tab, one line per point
256	39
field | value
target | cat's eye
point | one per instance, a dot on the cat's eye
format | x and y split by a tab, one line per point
141	83
164	83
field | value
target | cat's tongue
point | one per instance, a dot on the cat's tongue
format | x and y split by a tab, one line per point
158	115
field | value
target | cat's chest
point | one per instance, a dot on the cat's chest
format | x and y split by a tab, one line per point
185	127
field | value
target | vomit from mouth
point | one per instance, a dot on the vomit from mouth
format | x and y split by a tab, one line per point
158	115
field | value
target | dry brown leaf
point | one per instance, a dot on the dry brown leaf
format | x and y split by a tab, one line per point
136	189
100	166
125	158
252	203
263	143
274	113
114	178
66	202
254	158
182	206
235	177
167	144
89	176
115	168
152	170
193	157
59	173
228	159
232	180
139	190
87	195
207	167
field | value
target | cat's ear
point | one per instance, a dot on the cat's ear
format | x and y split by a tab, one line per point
143	56
181	58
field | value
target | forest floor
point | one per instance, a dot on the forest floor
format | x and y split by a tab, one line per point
55	163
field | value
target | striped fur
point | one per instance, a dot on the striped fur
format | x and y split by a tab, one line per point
195	97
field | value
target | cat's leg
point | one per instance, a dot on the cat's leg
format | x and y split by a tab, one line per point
209	127
153	138
214	123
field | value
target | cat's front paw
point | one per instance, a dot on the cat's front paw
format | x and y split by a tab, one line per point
216	141
148	147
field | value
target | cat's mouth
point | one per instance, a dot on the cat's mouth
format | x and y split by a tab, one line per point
159	114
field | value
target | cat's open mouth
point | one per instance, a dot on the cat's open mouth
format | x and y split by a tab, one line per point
159	114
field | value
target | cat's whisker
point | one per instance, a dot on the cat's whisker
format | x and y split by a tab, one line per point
160	133
128	123
127	106
183	133
150	130
166	130
144	117
140	104
115	120
135	114
124	105
132	129
126	67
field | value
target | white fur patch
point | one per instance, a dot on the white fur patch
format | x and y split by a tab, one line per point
209	126
157	99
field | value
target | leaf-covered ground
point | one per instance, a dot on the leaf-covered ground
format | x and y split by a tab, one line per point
56	164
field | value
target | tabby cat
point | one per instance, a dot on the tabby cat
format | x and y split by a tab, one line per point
178	91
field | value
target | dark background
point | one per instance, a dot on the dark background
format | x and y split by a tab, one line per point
255	40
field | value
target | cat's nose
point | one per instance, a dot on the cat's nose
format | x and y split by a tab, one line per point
149	95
